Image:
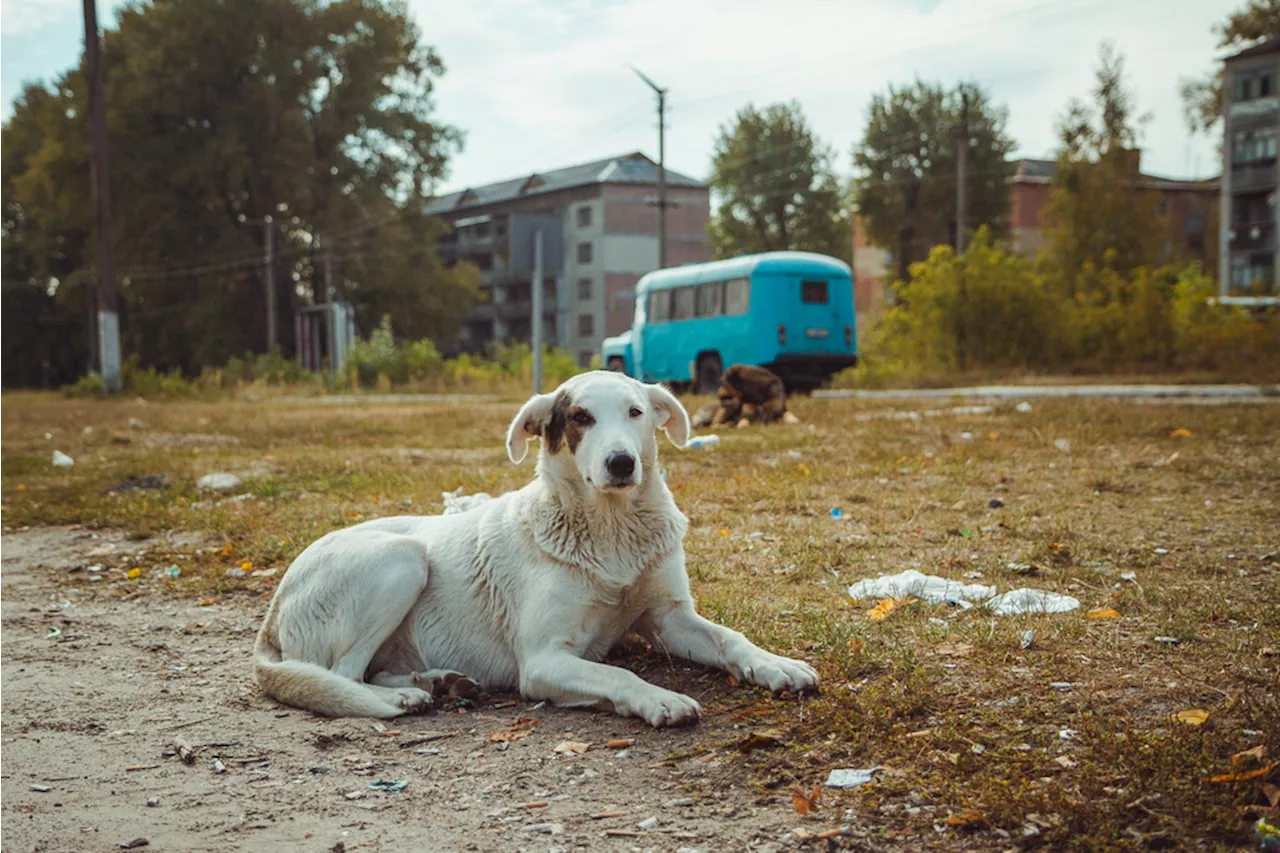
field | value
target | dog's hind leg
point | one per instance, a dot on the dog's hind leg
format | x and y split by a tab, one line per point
441	683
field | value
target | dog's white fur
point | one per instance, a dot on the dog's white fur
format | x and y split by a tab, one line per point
528	591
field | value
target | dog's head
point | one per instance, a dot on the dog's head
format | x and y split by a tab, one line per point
605	422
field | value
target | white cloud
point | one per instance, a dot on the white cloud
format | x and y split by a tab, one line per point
26	17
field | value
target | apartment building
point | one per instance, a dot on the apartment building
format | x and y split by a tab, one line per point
599	225
1248	270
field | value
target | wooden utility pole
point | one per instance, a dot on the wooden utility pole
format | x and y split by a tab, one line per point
536	330
100	177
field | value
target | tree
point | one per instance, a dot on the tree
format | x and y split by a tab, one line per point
316	114
905	167
776	187
1098	217
1202	97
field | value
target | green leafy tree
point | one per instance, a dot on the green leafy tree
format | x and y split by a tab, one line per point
905	166
1202	97
776	187
1097	218
319	115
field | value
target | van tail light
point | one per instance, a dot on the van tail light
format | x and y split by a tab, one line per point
782	335
848	337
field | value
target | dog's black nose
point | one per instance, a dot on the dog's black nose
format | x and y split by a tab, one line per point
621	465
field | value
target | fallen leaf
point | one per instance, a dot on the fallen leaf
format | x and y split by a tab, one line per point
857	646
1256	773
571	747
1103	613
1192	717
958	650
731	681
245	565
968	819
767	739
1180	432
1258	753
226	550
886	606
1272	793
206	602
508	736
804	803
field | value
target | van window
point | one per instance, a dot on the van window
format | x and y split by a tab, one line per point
660	306
684	303
813	292
737	296
711	299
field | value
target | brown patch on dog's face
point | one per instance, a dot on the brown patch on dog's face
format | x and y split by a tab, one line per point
568	423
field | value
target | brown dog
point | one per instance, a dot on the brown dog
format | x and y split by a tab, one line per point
747	395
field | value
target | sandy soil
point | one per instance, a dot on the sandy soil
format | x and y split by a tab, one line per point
94	715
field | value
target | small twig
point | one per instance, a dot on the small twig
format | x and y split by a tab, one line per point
191	723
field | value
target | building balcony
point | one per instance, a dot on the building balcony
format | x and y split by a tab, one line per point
1253	237
1253	177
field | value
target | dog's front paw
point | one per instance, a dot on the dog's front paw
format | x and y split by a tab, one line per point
665	708
415	701
778	674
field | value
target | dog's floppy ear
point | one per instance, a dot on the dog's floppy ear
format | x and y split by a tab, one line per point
671	415
530	421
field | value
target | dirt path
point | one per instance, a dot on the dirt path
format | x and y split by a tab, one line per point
94	714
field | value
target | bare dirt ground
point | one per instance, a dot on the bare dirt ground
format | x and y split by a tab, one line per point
94	716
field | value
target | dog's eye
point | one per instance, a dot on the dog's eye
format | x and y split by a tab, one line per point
582	417
635	412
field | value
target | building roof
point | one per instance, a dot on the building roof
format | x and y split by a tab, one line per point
1271	45
633	168
1042	172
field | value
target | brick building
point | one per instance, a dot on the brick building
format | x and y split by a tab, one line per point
600	235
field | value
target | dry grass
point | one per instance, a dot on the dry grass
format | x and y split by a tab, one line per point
950	703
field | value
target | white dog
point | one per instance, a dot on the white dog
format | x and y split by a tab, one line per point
528	591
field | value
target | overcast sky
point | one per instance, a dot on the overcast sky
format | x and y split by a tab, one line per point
538	84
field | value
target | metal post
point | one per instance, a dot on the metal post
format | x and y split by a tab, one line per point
108	316
537	312
271	286
662	168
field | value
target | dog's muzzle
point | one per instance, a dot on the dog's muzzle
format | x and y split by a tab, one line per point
622	468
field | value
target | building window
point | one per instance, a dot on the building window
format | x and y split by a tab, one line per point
737	296
586	325
660	306
584	289
684	303
584	253
584	217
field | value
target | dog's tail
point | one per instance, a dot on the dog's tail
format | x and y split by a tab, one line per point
310	686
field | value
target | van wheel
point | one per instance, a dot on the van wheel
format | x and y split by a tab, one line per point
709	372
617	365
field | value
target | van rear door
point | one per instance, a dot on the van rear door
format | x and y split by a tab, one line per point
813	317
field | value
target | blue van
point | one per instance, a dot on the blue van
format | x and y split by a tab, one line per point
791	312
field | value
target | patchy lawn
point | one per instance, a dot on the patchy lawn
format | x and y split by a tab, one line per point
1162	519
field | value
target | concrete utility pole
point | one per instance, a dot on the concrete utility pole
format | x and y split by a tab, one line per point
269	260
662	167
536	328
962	167
108	313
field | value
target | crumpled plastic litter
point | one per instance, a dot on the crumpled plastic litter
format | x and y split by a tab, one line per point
850	778
62	460
930	588
456	502
937	590
389	784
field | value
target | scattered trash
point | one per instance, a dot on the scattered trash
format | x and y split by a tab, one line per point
218	766
571	747
1066	761
886	606
41	789
977	749
1067	734
1026	638
1060	685
1063	444
679	803
1103	613
929	588
235	573
1132	577
995	503
133	573
1168	641
620	743
837	513
804	803
1024	407
456	502
1027	600
173	571
186	752
389	784
1192	717
62	460
1022	568
966	436
1180	432
152	802
702	442
54	633
220	481
848	778
544	828
354	795
134	844
1268	836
